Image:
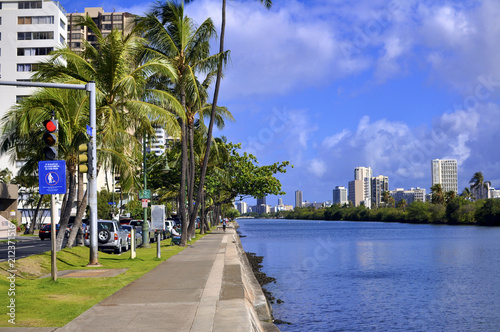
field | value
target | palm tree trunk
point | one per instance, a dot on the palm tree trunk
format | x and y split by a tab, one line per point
191	179
212	115
33	221
63	223
82	204
182	190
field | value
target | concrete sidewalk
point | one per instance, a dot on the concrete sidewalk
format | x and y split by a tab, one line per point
203	288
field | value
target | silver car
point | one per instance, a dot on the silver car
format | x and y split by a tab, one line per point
138	235
110	235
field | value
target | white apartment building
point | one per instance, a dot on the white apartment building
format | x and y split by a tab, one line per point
365	174
160	143
379	185
340	195
242	207
29	30
445	172
494	193
410	196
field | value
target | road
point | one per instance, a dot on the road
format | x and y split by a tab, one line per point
23	246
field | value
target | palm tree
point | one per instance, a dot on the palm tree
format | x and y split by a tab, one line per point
437	194
402	204
467	194
267	4
385	197
449	195
478	186
124	104
174	37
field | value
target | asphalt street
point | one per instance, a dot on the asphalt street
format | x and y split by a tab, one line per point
23	246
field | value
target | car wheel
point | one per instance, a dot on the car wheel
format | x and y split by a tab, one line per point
103	236
126	245
42	238
118	250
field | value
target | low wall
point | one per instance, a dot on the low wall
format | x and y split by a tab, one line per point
253	291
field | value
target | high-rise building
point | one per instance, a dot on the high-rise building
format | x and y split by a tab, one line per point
379	185
365	174
105	22
298	198
242	207
261	205
280	201
355	195
340	195
445	173
29	30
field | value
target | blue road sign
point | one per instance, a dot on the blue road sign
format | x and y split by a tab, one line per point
52	177
89	130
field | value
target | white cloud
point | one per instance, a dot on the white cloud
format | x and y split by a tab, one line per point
317	167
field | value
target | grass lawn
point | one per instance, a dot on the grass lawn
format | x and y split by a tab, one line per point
42	302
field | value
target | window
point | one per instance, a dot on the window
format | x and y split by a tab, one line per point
76	36
62	40
62	24
76	45
118	26
34	51
29	4
37	35
106	26
107	18
27	67
20	98
35	20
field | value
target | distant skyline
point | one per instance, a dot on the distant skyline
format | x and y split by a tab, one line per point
333	85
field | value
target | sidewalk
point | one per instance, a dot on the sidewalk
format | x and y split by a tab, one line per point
200	289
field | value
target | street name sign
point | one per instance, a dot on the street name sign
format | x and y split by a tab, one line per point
146	193
52	177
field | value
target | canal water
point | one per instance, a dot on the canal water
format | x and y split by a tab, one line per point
373	276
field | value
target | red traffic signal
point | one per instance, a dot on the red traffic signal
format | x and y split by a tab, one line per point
51	125
50	139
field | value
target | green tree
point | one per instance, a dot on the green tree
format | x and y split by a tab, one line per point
232	214
489	213
437	194
478	186
174	37
459	211
220	64
418	212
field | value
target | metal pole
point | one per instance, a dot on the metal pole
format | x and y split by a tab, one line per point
53	260
145	226
133	244
158	243
92	176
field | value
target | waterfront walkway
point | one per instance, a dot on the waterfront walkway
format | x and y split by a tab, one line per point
201	289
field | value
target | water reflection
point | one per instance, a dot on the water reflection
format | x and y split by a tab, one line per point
373	276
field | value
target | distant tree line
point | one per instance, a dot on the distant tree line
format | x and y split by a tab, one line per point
457	210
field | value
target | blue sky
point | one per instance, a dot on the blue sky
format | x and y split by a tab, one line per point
331	85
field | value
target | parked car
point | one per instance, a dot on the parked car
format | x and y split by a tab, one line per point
169	224
152	237
110	235
138	235
45	231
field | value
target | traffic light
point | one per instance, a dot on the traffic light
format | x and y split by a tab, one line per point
50	139
83	158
